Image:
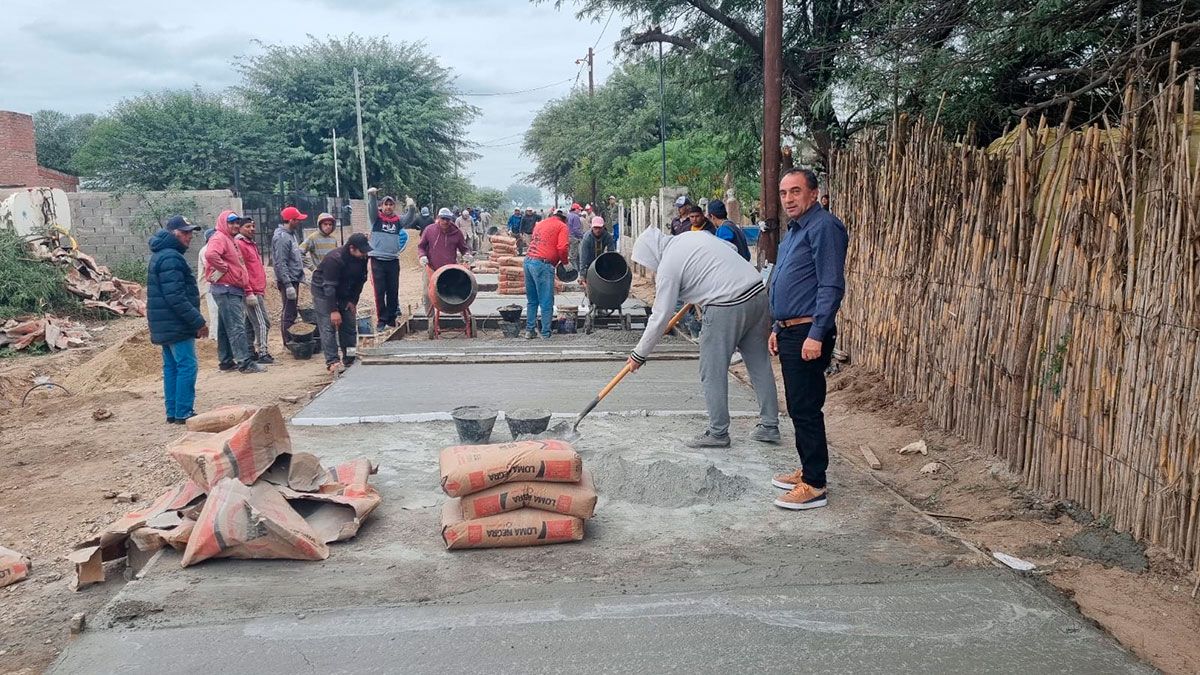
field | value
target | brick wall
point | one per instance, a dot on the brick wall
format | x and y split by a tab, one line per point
18	157
105	224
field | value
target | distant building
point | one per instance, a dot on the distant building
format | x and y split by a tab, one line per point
18	157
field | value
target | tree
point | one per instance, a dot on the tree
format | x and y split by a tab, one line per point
489	199
850	63
694	161
523	195
187	140
59	136
412	122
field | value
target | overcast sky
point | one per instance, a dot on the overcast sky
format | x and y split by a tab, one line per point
86	55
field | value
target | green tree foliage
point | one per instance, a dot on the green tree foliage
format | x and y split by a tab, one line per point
523	195
412	121
695	161
490	199
28	285
190	140
849	63
59	137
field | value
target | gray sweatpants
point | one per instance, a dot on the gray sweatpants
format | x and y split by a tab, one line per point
345	336
258	326
743	328
233	347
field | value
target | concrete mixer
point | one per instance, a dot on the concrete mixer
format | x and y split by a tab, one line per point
452	289
608	282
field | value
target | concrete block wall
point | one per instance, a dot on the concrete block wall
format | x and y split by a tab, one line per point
105	223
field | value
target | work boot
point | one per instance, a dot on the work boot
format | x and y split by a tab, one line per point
802	498
765	434
265	359
250	367
707	440
788	481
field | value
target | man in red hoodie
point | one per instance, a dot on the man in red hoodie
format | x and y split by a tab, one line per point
549	246
228	281
257	323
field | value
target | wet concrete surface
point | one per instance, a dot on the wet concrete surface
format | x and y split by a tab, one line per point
406	393
686	566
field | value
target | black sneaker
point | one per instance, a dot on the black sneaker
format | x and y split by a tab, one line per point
265	358
380	327
227	366
170	420
348	361
181	420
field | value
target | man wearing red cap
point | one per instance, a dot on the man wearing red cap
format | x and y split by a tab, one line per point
288	262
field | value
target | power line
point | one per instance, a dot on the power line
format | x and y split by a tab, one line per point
605	29
511	93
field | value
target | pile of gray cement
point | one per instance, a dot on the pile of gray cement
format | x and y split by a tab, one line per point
665	483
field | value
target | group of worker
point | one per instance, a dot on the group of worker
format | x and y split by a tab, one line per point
705	262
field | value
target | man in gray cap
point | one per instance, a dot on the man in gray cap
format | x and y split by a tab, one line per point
388	239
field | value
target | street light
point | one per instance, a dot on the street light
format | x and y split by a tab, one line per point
656	35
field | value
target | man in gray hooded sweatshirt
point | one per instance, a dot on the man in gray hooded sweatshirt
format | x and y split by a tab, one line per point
388	239
699	269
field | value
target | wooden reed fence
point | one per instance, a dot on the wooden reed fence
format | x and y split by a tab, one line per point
1044	300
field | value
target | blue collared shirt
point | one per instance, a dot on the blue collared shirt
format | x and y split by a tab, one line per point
810	273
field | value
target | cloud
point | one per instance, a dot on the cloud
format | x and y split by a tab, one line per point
90	57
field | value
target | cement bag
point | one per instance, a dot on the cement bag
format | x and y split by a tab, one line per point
572	499
250	521
512	261
13	566
523	527
467	469
243	452
220	419
502	239
510	274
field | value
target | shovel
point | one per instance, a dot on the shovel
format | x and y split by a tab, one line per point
625	371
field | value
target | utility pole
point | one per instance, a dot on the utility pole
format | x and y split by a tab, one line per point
591	65
337	191
362	150
772	119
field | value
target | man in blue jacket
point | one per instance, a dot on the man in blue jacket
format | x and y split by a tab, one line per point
173	311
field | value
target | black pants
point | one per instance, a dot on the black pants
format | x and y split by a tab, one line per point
385	274
804	387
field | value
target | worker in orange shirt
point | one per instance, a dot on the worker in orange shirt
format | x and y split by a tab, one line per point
549	247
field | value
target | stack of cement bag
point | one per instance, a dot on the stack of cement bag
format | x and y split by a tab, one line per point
512	276
526	493
501	247
246	495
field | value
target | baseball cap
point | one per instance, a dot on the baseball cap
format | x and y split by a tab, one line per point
597	221
576	206
325	216
292	213
681	201
445	213
387	199
424	210
359	241
232	218
717	208
181	223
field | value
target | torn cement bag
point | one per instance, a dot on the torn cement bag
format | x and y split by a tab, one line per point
572	499
250	522
219	419
350	478
13	566
300	471
523	527
334	517
180	496
243	452
470	468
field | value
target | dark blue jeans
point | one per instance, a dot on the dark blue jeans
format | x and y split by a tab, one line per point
179	378
539	292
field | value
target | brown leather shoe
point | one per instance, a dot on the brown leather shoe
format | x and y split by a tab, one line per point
802	498
788	481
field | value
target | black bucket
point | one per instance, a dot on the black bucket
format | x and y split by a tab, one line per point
302	331
302	351
474	423
528	422
510	329
510	313
565	273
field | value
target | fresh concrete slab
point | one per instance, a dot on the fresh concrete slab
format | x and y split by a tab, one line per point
412	393
489	304
982	623
687	566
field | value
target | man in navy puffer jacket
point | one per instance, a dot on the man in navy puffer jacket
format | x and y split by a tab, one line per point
173	311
